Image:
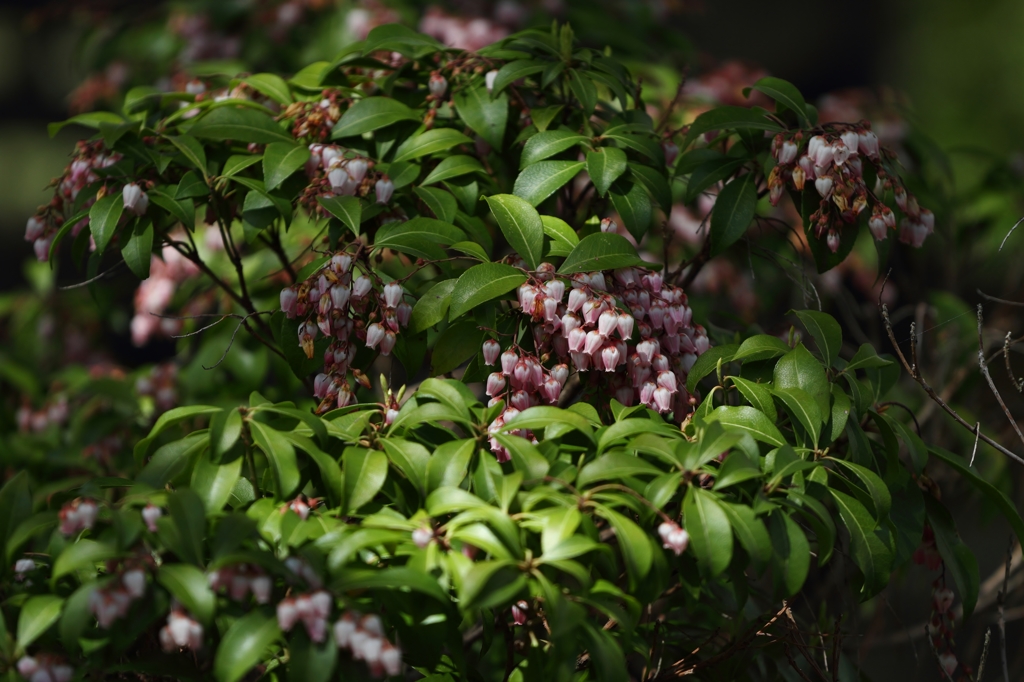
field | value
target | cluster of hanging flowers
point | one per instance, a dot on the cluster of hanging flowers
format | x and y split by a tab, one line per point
112	601
352	310
89	161
335	171
834	161
238	580
626	332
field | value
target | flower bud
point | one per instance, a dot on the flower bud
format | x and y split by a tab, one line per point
868	144
673	537
833	241
393	294
489	79
387	344
261	587
519	612
560	373
491	349
824	186
609	225
671	150
289	297
607	323
361	286
374	335
787	152
577	297
135	200
610	357
437	85
404	313
150	513
34	229
385	189
551	390
509	359
134	582
495	384
662	399
357	169
877	226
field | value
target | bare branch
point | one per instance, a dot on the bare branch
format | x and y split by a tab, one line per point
93	279
984	654
991	384
1018	384
1009	233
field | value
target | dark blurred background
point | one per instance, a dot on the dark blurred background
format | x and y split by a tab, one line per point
959	64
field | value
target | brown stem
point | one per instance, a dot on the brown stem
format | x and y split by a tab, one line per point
991	384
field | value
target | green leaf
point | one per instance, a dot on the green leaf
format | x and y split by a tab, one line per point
225	429
750	531
482	283
346	209
449	463
271	85
138	252
872	556
456	344
79	555
189	519
728	119
103	218
784	93
241	124
453	167
168	419
410	458
543	116
605	165
183	210
310	77
826	332
708	363
440	202
281	454
190	587
471	249
188	187
311	662
998	497
563	238
280	160
372	113
615	466
791	553
799	369
708	173
521	225
237	163
751	420
364	472
36	617
432	306
513	71
865	358
542	179
583	89
430	142
656	183
600	251
171	460
957	557
633	205
486	116
542	416
191	150
399	38
91	119
548	143
708	526
244	645
214	483
875	486
733	211
633	544
761	347
525	457
804	408
758	395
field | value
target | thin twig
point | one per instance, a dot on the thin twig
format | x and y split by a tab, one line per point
1018	384
991	384
984	654
240	324
92	279
997	299
977	432
1009	233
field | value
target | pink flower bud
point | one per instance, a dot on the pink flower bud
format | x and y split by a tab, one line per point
287	614
392	294
824	186
667	380
261	586
577	340
824	156
491	350
34	229
948	662
560	373
27	666
551	310
609	225
581	361
489	78
508	362
374	335
150	513
289	297
357	169
787	152
577	297
610	357
384	189
671	150
551	390
647	393
673	537
662	399
519	612
134	582
877	226
404	313
555	288
656	315
361	286
607	323
339	296
569	322
344	629
593	344
387	344
597	281
495	384
927	218
520	400
868	144
521	374
527	297
135	200
942	599
646	350
833	241
87	511
437	85
390	659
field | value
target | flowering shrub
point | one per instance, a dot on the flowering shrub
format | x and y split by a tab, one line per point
631	501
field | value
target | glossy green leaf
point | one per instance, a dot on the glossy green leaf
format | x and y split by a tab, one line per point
615	466
605	165
84	553
271	85
281	454
37	615
432	307
487	116
241	124
758	395
804	408
562	238
633	544
799	369
707	363
192	150
761	347
456	344
395	37
280	160
346	209
784	93
410	458
449	463
513	71
190	587
245	644
729	118
441	203
871	555
734	210
138	251
791	554
482	283
372	113
750	531
751	420
103	218
453	167
866	358
710	173
521	225
656	184
957	557
540	180
364	473
633	205
708	526
430	142
583	89
826	332
600	251
547	144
